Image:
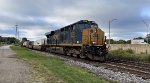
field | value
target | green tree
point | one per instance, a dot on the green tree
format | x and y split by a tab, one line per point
7	40
128	42
24	39
139	38
121	42
111	41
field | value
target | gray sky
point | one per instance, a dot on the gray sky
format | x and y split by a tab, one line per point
36	17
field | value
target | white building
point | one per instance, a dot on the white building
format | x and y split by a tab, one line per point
138	41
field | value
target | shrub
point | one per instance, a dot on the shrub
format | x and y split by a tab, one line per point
130	51
129	54
148	58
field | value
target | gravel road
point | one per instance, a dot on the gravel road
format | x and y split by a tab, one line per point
11	69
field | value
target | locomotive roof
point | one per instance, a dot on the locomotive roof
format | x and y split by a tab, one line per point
48	33
81	21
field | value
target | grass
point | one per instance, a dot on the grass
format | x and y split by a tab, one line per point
129	54
54	70
1	45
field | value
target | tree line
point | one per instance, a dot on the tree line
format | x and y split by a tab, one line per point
121	41
118	41
7	40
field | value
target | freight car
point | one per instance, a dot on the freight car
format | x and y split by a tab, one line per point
82	39
26	44
40	44
31	44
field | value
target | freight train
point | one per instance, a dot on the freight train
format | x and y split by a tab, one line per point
83	39
37	45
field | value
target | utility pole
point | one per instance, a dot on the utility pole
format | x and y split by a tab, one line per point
147	29
18	35
16	31
110	21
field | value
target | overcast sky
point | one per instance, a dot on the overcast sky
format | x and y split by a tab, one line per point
36	17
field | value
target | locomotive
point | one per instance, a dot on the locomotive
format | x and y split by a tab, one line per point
82	39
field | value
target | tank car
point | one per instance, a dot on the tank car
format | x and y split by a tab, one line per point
82	39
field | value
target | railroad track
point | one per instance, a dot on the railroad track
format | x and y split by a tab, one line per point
138	66
139	69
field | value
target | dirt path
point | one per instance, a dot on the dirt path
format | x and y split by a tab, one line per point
12	70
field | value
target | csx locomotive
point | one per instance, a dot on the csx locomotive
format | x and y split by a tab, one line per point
82	39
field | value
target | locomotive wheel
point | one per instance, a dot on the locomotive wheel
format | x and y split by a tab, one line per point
75	55
90	56
50	50
82	56
97	58
102	58
67	53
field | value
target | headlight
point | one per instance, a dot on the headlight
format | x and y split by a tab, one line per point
93	42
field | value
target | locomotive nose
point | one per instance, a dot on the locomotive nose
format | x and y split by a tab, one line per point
94	36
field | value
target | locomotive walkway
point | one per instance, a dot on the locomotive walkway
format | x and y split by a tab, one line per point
11	70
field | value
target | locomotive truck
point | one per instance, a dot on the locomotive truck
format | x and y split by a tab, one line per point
82	39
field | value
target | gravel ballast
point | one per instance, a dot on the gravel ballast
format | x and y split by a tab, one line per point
121	77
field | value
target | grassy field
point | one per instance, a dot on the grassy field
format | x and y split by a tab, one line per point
54	70
129	55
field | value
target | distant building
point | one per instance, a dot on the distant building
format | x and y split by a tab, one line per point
138	41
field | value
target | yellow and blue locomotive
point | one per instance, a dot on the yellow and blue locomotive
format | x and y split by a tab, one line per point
82	39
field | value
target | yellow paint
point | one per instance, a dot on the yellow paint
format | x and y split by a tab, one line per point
93	35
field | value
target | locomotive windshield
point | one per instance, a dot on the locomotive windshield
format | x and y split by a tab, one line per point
94	25
87	25
83	25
